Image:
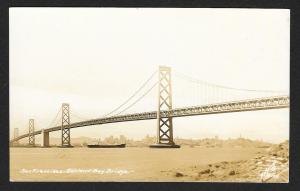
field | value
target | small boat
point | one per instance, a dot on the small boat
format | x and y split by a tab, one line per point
107	146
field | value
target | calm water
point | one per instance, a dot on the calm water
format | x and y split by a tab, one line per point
137	164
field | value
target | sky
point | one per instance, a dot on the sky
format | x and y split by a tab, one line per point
95	58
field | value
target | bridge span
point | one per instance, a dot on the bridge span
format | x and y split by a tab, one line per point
228	107
164	114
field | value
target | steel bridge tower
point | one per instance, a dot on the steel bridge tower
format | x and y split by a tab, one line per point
16	134
164	120
31	133
65	122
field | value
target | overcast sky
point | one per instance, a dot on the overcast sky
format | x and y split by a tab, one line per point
95	58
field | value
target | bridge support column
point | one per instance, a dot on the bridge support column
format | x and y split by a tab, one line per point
164	120
65	130
31	133
16	134
45	138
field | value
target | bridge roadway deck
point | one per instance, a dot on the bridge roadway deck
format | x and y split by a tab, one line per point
228	107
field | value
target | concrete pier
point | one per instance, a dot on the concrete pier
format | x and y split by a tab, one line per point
45	139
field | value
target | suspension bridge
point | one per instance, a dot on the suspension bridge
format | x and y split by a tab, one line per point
239	100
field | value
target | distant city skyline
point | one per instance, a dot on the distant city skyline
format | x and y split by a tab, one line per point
151	139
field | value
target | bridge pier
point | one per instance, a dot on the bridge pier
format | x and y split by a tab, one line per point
45	139
164	120
31	133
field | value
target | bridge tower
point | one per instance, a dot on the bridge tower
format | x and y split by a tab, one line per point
65	122
31	133
164	120
16	134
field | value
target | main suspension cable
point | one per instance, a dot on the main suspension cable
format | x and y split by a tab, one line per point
134	94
